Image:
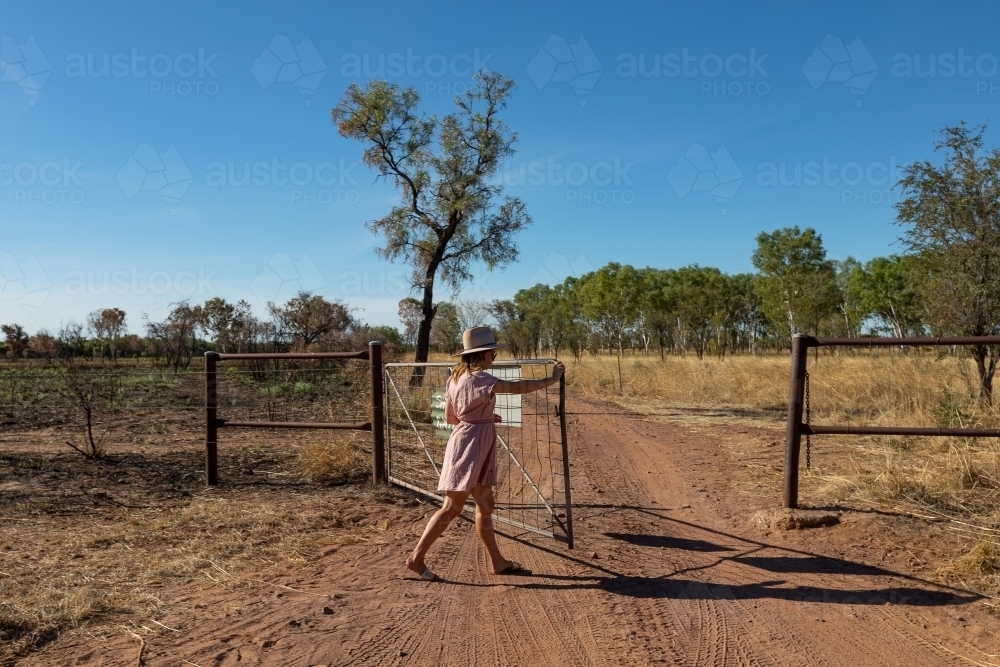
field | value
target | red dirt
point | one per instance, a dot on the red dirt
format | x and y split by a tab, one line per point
667	569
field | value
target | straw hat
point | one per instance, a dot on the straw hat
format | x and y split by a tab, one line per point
477	339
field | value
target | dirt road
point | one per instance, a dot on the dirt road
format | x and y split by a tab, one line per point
667	569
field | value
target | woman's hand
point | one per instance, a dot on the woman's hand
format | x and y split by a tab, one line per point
558	370
497	419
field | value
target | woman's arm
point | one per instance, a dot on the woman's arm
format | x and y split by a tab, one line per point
449	413
528	386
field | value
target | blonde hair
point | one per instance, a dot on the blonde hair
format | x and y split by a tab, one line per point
470	362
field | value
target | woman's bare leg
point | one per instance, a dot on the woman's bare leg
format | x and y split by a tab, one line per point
453	503
483	495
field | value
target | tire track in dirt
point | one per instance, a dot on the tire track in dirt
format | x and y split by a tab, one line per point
720	635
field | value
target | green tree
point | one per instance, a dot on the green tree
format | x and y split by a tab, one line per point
533	306
453	211
886	290
308	320
797	283
745	317
853	309
658	307
15	339
446	333
610	297
215	318
409	316
108	326
700	295
389	336
562	321
952	214
175	336
510	328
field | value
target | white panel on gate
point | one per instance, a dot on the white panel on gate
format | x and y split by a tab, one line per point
508	406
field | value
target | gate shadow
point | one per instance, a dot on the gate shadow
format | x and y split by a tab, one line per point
915	592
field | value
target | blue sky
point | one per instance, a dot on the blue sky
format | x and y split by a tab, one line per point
658	134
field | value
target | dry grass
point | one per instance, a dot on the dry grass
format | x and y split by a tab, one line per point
981	565
63	572
956	480
340	460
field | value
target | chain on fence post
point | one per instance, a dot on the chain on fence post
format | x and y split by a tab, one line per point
211	423
808	421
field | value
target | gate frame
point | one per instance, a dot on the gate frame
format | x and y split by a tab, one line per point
794	428
376	423
564	443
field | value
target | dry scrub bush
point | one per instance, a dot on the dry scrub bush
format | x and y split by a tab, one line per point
337	461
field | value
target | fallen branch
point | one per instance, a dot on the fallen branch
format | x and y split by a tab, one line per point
163	626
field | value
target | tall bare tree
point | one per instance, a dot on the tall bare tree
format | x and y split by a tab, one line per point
108	326
452	211
175	336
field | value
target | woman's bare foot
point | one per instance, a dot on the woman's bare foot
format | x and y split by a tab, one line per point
415	566
507	567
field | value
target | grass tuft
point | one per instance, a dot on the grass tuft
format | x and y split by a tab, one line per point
336	462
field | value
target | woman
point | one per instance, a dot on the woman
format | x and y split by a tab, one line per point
470	457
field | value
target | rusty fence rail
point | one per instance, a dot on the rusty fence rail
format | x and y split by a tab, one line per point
375	424
795	429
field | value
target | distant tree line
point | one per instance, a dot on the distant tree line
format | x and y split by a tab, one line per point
306	322
701	310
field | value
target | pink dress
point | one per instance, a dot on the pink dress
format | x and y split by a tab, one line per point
470	457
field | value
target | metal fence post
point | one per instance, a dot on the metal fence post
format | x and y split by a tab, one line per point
565	457
377	414
793	430
211	424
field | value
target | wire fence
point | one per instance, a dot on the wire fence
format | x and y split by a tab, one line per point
136	400
297	390
532	472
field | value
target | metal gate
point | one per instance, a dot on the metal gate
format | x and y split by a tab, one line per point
533	490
